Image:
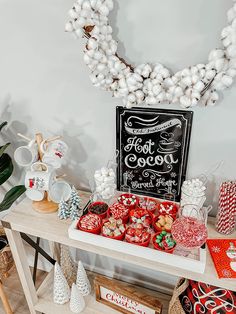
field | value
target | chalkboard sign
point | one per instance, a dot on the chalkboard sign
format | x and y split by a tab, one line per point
153	149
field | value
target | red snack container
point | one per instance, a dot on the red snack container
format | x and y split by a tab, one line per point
131	232
141	216
120	237
168	208
148	203
89	218
119	211
156	228
157	247
94	209
129	200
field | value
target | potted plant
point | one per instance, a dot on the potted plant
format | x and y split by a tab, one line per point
6	169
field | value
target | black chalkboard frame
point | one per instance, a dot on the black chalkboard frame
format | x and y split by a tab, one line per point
188	115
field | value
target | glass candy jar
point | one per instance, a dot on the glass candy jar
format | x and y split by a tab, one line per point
189	230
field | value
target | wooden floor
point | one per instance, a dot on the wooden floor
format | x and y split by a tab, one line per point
13	289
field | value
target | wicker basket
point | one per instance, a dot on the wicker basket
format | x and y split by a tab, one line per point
6	259
175	306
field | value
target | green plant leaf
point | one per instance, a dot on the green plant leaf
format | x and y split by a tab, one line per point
12	196
6	168
3	124
3	148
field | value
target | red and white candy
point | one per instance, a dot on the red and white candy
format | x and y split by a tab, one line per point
90	222
118	211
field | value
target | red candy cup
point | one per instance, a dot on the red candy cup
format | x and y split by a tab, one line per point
120	237
149	199
157	247
103	215
167	204
95	230
155	227
138	213
125	219
146	243
129	195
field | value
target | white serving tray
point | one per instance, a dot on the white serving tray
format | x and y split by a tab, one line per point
196	262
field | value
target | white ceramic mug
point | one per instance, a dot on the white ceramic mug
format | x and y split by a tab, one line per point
40	177
54	152
59	190
35	195
26	155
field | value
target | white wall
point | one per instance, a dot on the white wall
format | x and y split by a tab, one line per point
44	84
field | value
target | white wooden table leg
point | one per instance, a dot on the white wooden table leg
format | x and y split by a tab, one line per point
20	258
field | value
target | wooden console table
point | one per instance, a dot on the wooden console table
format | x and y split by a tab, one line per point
23	219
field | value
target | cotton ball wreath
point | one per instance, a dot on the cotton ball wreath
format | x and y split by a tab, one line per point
105	182
150	83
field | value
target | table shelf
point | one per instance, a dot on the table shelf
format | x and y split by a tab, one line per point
46	305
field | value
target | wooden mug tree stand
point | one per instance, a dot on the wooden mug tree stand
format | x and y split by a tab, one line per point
45	206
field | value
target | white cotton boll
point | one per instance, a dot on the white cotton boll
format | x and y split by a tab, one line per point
202	73
227	80
86	5
231	72
98	55
169	97
101	67
85	13
87	60
196	95
186	72
93	3
220	64
96	30
93	78
158	67
164	73
77	7
103	9
195	79
139	94
156	89
231	50
131	98
137	77
92	43
194	102
129	104
226	32
227	42
187	80
81	21
69	27
79	33
109	4
188	92
185	101
122	83
169	82
199	86
73	14
216	54
178	91
152	100
210	74
161	96
194	70
231	14
131	81
200	66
